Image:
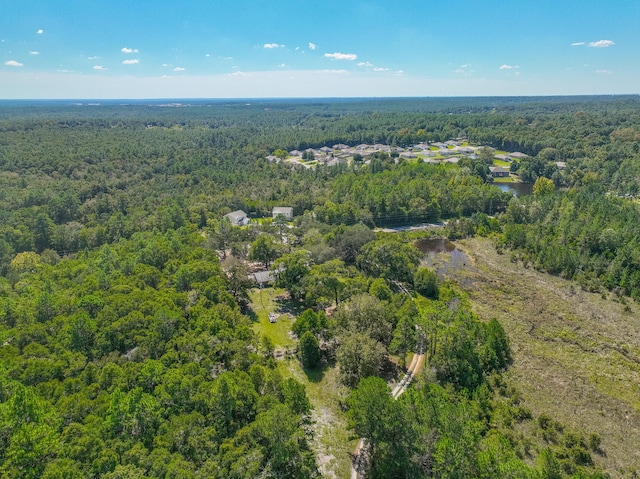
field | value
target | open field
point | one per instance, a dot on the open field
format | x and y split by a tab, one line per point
576	354
263	302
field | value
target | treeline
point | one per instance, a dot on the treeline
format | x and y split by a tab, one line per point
78	177
583	234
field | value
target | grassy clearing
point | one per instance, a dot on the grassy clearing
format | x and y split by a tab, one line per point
576	354
504	164
263	302
332	440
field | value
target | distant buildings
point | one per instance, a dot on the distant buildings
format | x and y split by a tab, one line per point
442	152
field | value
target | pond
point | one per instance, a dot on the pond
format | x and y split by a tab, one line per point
516	189
430	246
443	256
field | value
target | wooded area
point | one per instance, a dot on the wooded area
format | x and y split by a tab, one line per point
128	343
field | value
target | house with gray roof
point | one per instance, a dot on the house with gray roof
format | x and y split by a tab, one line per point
498	171
263	277
237	218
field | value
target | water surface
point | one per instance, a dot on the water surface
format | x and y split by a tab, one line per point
516	189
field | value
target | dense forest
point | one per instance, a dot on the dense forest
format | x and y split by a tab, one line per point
129	347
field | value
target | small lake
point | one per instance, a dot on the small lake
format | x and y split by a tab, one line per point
516	189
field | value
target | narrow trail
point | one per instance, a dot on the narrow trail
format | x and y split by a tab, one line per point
414	368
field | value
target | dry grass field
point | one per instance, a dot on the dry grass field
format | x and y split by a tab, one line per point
576	354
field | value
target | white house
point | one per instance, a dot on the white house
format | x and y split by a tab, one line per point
285	211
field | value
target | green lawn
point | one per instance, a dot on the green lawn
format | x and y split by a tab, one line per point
506	179
504	164
263	302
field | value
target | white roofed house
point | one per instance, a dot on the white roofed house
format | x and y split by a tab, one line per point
237	218
285	211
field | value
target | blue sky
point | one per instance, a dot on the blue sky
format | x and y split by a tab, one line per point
287	48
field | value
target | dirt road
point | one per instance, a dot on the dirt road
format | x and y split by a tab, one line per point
414	368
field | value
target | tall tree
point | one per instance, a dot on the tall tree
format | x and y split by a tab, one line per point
263	249
309	350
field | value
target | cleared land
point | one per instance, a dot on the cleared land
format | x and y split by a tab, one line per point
576	354
332	440
263	302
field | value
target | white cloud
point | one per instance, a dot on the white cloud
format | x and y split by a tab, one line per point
508	67
282	65
13	63
269	46
238	74
129	50
312	46
92	58
207	55
464	69
34	53
399	73
365	64
605	72
179	69
380	69
334	71
602	43
342	56
133	61
167	65
577	44
100	68
40	32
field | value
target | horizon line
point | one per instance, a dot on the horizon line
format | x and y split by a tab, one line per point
95	99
